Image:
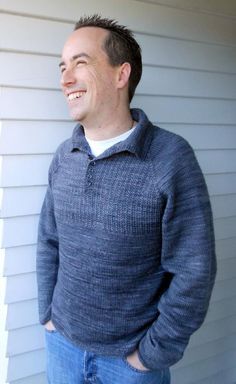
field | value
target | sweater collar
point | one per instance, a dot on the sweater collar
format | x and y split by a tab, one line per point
137	143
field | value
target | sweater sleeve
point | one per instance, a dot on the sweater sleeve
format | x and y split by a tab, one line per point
188	255
47	260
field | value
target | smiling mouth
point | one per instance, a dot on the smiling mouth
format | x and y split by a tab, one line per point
75	95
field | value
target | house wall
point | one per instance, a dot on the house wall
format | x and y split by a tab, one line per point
188	87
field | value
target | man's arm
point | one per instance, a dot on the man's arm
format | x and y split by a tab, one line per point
188	254
47	257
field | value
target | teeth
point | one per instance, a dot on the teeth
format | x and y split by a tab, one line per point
75	95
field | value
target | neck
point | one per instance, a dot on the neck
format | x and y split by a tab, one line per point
113	126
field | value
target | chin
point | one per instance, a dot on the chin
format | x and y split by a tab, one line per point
76	116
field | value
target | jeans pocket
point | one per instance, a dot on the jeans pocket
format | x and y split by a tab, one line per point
134	369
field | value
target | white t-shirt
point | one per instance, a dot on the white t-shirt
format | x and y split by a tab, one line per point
99	146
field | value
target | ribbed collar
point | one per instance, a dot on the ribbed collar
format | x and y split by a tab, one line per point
137	143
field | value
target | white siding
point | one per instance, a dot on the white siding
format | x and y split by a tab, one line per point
188	87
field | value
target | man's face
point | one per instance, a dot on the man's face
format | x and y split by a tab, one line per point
88	81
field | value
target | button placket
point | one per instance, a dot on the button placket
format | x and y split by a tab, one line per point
90	171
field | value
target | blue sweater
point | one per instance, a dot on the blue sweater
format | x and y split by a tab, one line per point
125	255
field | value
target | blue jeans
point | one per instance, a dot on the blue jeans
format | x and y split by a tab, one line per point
68	364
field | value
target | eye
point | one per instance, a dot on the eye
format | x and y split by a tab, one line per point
63	69
80	62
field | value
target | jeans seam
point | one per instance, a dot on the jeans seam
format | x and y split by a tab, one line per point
162	377
84	365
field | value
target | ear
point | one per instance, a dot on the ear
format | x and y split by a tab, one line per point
123	75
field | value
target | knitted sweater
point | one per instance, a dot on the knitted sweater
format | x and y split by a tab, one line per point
125	255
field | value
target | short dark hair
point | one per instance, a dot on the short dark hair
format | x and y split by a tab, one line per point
120	46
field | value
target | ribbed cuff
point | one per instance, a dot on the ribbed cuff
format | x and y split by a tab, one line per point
45	317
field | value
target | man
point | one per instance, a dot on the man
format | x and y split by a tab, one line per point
125	260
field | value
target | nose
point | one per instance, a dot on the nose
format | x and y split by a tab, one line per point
67	78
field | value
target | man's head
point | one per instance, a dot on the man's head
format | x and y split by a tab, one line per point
100	69
119	45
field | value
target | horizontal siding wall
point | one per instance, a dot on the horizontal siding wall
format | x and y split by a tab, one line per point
188	87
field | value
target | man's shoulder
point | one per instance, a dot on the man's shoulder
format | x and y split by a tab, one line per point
64	147
167	137
60	153
171	155
166	143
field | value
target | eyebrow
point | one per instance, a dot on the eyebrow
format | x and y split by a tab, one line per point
75	57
